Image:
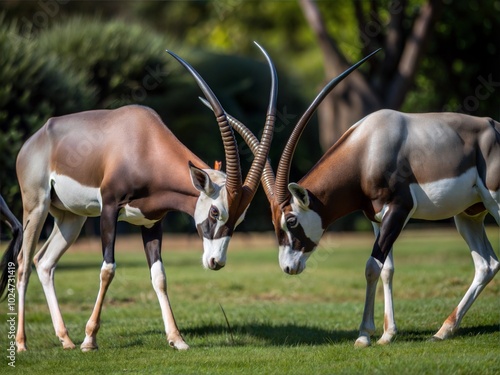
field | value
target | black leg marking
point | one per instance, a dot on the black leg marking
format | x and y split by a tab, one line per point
152	238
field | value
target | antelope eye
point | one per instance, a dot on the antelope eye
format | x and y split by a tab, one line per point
214	212
291	221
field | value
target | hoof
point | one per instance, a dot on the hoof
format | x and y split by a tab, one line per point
88	346
435	339
86	349
362	342
67	344
180	345
386	338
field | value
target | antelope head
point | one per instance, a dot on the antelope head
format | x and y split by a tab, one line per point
223	197
297	224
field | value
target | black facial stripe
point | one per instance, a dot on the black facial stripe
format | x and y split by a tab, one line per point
207	227
223	231
300	242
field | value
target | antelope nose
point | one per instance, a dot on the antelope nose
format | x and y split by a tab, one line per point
290	270
214	265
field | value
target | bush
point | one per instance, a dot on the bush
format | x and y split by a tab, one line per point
33	87
125	63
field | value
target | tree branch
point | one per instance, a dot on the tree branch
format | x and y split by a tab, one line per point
393	45
412	52
334	62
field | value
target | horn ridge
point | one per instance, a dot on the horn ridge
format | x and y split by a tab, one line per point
253	143
233	168
254	174
283	170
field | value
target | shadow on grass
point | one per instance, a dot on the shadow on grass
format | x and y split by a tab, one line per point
291	335
276	335
426	335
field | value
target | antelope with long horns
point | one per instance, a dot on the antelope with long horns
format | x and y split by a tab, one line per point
126	165
392	166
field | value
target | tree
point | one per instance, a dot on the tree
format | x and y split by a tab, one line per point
389	77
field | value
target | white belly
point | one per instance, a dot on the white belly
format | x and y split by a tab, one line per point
87	201
445	198
75	197
134	216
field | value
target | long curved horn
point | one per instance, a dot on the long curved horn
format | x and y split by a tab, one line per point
267	178
253	143
233	169
283	171
254	174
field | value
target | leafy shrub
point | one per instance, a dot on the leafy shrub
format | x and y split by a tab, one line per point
124	62
33	87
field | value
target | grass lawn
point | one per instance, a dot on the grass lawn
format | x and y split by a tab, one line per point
279	324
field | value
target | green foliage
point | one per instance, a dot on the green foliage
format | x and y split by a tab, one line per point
459	72
280	324
33	87
124	62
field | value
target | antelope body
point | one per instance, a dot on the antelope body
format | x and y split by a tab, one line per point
125	164
392	166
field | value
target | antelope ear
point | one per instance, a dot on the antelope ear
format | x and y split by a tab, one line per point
300	194
201	180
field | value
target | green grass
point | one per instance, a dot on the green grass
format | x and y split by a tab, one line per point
280	324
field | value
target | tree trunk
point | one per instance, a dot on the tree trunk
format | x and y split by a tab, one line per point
357	96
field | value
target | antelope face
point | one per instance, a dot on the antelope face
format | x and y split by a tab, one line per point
212	216
298	229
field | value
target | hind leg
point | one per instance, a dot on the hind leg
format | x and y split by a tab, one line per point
486	265
67	227
35	213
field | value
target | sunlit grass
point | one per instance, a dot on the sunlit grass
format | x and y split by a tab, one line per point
277	323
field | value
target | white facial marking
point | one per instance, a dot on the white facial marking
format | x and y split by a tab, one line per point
294	261
309	220
215	251
218	198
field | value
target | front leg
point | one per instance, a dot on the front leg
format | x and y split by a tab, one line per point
390	328
152	246
109	216
367	326
380	264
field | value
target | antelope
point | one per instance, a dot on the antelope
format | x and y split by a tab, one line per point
392	166
14	247
126	165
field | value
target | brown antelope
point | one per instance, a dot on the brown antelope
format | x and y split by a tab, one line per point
393	166
126	165
14	247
